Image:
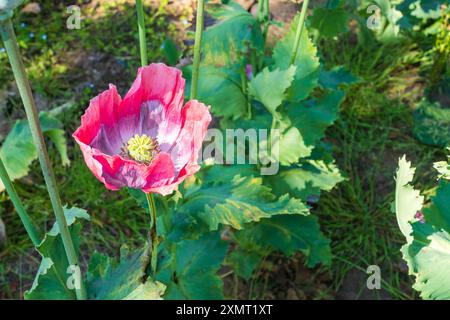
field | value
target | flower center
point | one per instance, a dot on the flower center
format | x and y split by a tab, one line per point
142	148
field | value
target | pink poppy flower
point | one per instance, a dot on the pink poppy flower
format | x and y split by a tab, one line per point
148	140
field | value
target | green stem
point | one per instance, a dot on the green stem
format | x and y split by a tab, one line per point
197	47
141	25
153	233
298	34
244	84
26	220
266	19
10	41
260	14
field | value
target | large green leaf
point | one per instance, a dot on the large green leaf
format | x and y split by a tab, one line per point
407	200
18	150
428	255
427	250
235	202
291	147
50	282
189	268
286	233
231	36
269	87
432	124
331	79
244	261
330	22
306	180
221	88
307	62
314	116
126	281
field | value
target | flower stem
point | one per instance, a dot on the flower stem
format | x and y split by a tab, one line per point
141	25
10	42
266	15
260	10
26	220
298	34
197	47
153	233
244	84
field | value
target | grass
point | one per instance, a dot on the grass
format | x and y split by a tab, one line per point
374	130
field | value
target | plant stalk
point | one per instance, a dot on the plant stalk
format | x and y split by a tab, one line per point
153	233
298	34
26	220
12	49
244	85
266	14
141	26
260	14
197	47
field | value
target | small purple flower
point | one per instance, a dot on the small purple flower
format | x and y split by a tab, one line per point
31	35
249	71
419	216
23	25
44	37
2	50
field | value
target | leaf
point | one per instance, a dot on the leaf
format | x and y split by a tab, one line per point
269	87
235	202
329	22
170	51
306	179
307	62
58	138
432	124
407	200
314	116
226	40
189	268
290	146
221	88
123	282
390	28
331	79
428	254
50	282
244	262
289	234
443	167
18	150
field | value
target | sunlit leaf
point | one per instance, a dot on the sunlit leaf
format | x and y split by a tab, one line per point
231	36
307	62
126	281
19	151
269	87
51	279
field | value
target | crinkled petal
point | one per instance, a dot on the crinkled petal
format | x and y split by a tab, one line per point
121	172
195	120
98	124
155	82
